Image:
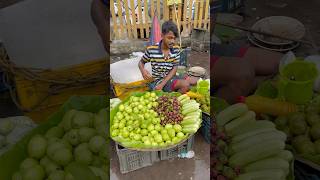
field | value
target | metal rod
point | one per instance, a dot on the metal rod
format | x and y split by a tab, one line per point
263	33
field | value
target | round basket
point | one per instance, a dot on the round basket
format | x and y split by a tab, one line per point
279	25
115	110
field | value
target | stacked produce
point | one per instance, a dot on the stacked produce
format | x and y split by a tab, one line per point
169	110
245	149
78	142
201	93
303	128
204	100
152	121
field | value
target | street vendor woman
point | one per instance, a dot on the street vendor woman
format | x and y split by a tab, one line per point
237	70
164	58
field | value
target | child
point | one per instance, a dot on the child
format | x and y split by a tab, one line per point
164	58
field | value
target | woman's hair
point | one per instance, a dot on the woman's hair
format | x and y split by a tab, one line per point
170	26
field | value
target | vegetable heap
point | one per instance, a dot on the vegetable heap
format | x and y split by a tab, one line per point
303	130
150	121
78	142
244	148
169	110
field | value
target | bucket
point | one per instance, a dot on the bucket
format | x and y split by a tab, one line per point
296	82
202	87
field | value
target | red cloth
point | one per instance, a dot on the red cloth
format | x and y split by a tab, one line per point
242	51
155	31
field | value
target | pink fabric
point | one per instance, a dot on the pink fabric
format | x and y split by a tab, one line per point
174	84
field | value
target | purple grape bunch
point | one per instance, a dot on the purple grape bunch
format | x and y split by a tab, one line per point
169	110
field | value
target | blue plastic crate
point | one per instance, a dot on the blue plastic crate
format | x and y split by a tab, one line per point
206	127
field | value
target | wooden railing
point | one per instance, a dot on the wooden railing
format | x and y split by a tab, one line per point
131	19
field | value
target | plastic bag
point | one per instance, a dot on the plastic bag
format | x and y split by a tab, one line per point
315	59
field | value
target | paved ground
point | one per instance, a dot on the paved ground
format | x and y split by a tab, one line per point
196	168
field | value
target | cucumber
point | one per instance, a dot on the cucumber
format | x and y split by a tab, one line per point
270	163
260	124
197	113
241	137
185	101
230	113
257	140
182	97
189	104
255	153
190	121
240	122
286	155
189	110
189	130
191	117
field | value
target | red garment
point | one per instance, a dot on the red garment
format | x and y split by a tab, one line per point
242	51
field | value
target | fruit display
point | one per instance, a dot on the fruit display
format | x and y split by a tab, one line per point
77	145
303	130
154	120
245	148
203	100
201	97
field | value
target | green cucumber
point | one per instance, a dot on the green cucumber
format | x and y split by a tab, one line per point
240	122
231	113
